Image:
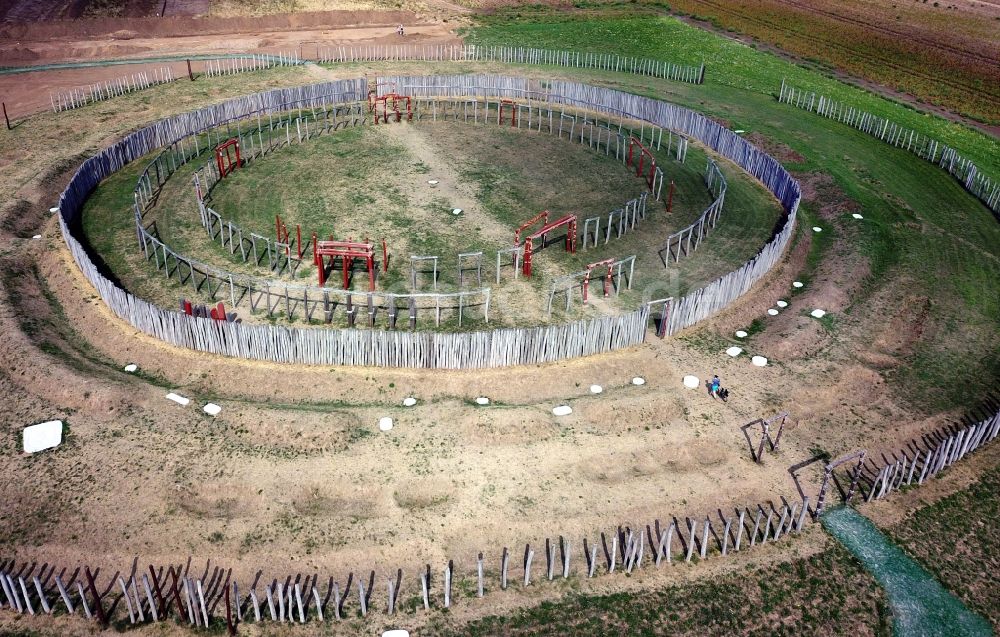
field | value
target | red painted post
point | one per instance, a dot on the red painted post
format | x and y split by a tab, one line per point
385	256
371	272
220	309
526	268
315	253
670	197
177	593
229	612
188	308
277	227
98	605
159	595
298	239
662	330
345	262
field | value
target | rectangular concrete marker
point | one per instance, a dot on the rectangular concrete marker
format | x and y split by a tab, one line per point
180	400
212	409
42	436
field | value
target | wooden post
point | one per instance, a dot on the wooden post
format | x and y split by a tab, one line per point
503	568
479	572
230	626
190	74
97	598
176	592
5	118
159	595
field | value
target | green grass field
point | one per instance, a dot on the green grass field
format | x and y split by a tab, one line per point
957	539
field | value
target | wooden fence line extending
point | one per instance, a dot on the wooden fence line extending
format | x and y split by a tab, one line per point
142	595
681	240
945	157
694	74
250	62
920	459
158	593
76	97
392	348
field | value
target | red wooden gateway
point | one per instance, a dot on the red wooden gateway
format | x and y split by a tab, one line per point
607	277
285	237
512	105
375	85
569	221
347	251
390	103
542	216
644	154
227	157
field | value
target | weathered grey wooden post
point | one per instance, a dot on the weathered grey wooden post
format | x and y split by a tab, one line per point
504	559
564	549
856	474
528	556
361	598
425	580
479	573
447	584
821	498
549	559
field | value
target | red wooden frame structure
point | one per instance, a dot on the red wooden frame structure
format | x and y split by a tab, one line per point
373	92
224	158
542	216
283	235
395	99
607	277
513	112
217	313
569	221
347	251
643	154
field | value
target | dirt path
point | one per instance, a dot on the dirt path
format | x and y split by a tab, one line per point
920	605
449	184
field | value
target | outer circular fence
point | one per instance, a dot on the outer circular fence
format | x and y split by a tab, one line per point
493	348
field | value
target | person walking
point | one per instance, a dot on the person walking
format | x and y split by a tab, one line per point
714	387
